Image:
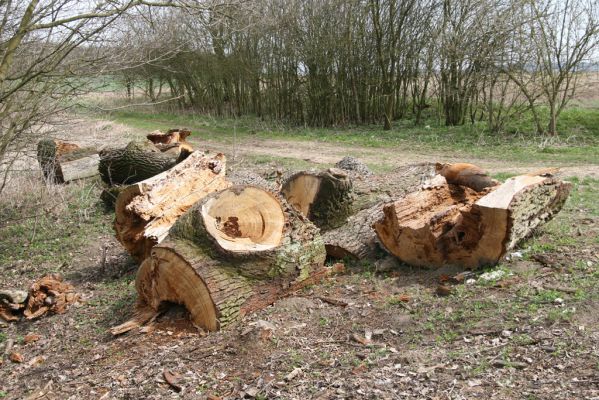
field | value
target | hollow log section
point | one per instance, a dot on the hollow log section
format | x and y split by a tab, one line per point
356	239
146	211
137	161
325	198
65	162
456	225
232	253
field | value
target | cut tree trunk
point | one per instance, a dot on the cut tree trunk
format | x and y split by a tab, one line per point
175	135
232	253
326	197
63	162
356	239
136	162
145	211
456	225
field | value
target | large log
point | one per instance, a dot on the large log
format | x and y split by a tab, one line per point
232	253
456	225
136	162
325	197
63	162
145	211
356	239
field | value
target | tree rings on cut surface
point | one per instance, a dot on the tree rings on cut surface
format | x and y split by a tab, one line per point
244	219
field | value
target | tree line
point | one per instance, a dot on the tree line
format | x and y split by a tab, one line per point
340	62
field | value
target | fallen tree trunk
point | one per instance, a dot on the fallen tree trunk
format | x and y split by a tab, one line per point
326	197
234	252
356	239
145	211
456	225
136	162
63	162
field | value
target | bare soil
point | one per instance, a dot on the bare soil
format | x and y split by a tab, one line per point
375	331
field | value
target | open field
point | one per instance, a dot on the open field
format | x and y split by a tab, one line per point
530	332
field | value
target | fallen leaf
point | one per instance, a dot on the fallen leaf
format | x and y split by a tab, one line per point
359	369
31	337
404	298
172	379
16	357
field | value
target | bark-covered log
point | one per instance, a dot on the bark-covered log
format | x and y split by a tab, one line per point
326	197
134	163
456	225
356	238
232	253
145	211
65	162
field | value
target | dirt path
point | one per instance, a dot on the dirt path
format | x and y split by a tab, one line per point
102	133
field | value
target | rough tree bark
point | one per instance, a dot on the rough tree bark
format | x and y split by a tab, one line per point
232	253
456	225
63	162
356	239
145	211
326	197
136	162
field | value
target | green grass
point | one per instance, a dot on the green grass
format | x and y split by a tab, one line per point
49	227
578	141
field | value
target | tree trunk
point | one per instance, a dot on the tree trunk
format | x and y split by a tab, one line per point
357	239
456	225
326	197
136	162
232	253
145	211
63	162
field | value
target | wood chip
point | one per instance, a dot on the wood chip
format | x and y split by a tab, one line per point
16	357
172	379
31	337
360	339
443	290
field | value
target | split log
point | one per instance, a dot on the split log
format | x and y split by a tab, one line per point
326	197
63	162
456	225
356	239
136	162
232	253
145	211
465	174
175	135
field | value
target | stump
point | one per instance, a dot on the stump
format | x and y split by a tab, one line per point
136	162
145	211
234	252
326	197
456	225
63	162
